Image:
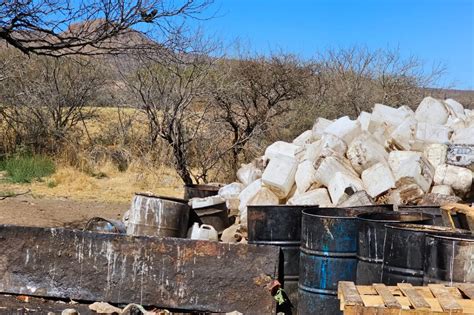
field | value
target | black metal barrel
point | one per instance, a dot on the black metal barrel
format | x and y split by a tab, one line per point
279	225
328	255
200	191
404	252
449	259
373	208
433	210
372	237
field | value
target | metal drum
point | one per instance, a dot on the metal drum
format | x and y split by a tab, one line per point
200	191
372	237
373	208
328	255
448	259
404	252
433	210
279	225
158	216
102	225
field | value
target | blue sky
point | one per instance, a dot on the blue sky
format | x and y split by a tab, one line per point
433	30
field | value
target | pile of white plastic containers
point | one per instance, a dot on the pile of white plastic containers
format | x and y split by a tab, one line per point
392	155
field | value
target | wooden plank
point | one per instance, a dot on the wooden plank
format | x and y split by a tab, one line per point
467	306
389	300
349	292
454	292
415	298
372	301
447	218
404	302
425	292
467	289
366	290
435	306
445	299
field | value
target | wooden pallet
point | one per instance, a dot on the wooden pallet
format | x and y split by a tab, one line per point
405	299
464	212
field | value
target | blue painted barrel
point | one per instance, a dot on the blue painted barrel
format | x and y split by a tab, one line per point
328	255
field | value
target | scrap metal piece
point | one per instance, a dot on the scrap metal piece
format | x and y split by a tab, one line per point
164	272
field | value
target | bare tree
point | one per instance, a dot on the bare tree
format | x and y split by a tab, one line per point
356	78
45	98
170	90
250	92
64	27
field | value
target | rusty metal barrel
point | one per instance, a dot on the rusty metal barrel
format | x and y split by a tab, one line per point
372	237
448	259
404	253
433	210
102	225
328	255
200	191
279	225
217	215
158	216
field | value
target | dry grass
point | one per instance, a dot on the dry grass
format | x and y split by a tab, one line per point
83	175
116	186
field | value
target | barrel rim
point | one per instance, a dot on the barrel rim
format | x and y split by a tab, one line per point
416	207
350	217
462	237
425	228
282	206
164	198
204	187
388	206
422	216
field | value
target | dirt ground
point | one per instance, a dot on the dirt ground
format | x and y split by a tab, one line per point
64	212
70	197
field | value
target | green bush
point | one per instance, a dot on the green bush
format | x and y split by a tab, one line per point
25	169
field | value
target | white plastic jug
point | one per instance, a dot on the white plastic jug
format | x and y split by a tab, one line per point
203	232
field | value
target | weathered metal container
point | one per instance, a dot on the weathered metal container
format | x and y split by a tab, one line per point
328	255
215	216
449	259
373	208
158	216
371	241
404	252
101	225
279	225
200	191
435	211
